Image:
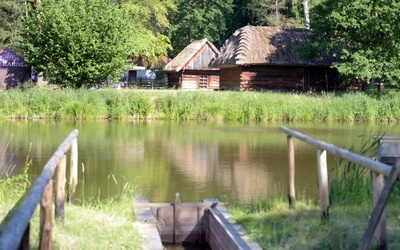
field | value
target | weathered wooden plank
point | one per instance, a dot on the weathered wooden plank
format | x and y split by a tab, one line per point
136	204
185	204
147	227
224	235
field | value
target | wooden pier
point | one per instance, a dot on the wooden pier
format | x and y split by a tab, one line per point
207	222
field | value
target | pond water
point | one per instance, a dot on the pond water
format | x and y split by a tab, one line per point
230	161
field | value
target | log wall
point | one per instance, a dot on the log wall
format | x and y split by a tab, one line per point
285	78
229	78
189	79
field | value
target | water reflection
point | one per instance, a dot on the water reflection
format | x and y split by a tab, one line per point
234	162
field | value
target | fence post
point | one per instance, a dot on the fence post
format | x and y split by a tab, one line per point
60	189
380	207
73	179
177	210
45	217
291	172
323	183
380	232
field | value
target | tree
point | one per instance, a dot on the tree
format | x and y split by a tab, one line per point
197	19
150	20
77	43
282	13
11	13
239	17
363	34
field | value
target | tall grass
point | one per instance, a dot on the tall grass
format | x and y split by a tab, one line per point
350	184
70	104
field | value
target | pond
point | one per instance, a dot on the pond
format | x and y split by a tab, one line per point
233	162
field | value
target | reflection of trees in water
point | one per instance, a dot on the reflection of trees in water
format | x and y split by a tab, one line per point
233	166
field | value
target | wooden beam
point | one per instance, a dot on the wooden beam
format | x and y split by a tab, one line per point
345	154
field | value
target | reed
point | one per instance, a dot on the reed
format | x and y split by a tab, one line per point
350	184
34	103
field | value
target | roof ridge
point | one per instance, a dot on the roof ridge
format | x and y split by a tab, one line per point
243	48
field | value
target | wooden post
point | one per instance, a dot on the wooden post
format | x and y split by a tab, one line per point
379	208
380	232
73	180
60	189
45	217
291	170
177	209
323	184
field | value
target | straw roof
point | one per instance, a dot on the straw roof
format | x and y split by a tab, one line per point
187	54
252	45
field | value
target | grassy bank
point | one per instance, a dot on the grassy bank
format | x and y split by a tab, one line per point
104	225
36	103
274	226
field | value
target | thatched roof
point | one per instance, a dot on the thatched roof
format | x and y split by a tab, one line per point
187	54
261	45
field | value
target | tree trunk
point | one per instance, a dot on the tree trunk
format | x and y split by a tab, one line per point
306	13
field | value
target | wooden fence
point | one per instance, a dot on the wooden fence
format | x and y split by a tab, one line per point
16	233
377	222
147	84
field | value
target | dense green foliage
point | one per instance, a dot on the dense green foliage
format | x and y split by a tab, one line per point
81	46
364	34
77	43
37	103
150	22
283	13
11	12
198	19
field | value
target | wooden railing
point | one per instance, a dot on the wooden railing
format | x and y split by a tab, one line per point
16	234
377	222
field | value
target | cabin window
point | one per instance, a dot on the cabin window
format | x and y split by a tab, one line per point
203	82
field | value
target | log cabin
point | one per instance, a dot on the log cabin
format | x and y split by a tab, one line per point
189	70
265	58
